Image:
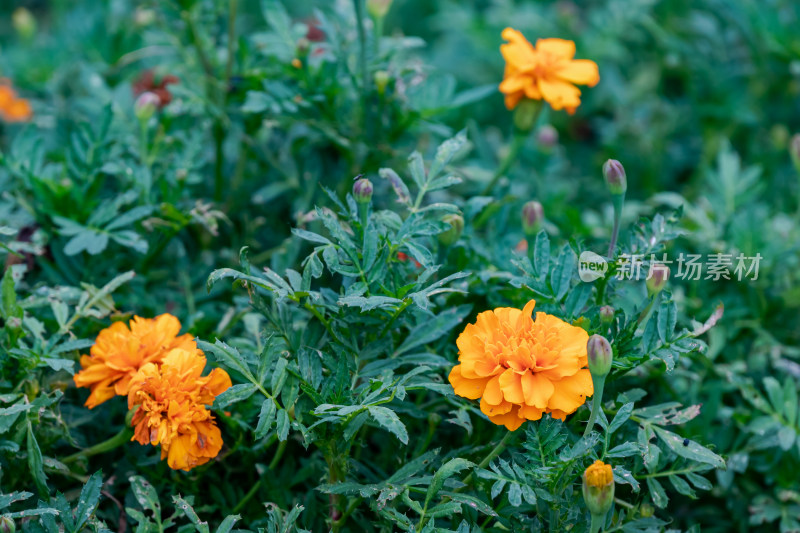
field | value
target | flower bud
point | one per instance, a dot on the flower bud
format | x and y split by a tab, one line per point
362	191
24	23
794	150
146	105
378	8
532	217
614	174
600	356
606	315
598	488
303	46
13	323
646	510
381	79
7	524
526	113
144	17
657	280
547	137
451	235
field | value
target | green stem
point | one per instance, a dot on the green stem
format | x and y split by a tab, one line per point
232	8
513	152
619	201
106	446
597	523
362	45
497	450
247	497
597	402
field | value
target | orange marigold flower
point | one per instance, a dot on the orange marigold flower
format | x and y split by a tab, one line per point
521	368
599	474
119	353
547	71
13	108
172	400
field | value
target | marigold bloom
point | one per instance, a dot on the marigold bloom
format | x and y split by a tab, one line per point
547	71
172	399
13	108
599	474
119	353
598	489
521	368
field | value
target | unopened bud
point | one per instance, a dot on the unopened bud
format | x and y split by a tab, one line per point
659	275
526	113
547	137
146	105
606	315
532	217
381	79
7	524
24	23
451	235
13	323
362	191
614	174
378	8
144	17
600	355
598	488
794	150
303	46
646	510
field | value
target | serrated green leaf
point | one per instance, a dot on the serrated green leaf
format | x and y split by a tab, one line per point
389	420
689	449
265	418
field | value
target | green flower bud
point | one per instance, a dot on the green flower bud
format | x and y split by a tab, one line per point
614	174
303	46
606	315
646	510
532	217
451	235
378	8
526	113
362	191
7	524
24	23
794	150
146	105
598	488
600	356
381	79
547	137
659	275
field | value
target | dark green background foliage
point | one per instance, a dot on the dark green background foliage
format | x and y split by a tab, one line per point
231	209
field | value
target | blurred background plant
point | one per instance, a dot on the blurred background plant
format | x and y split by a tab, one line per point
167	136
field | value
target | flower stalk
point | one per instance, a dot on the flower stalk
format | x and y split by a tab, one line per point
114	442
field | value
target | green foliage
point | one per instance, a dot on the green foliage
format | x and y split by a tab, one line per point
337	320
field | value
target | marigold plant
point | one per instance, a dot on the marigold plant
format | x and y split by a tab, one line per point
547	71
120	351
521	368
172	399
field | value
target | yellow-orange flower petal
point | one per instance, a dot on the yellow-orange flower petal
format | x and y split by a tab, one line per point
546	71
172	399
13	108
599	474
521	368
119	352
